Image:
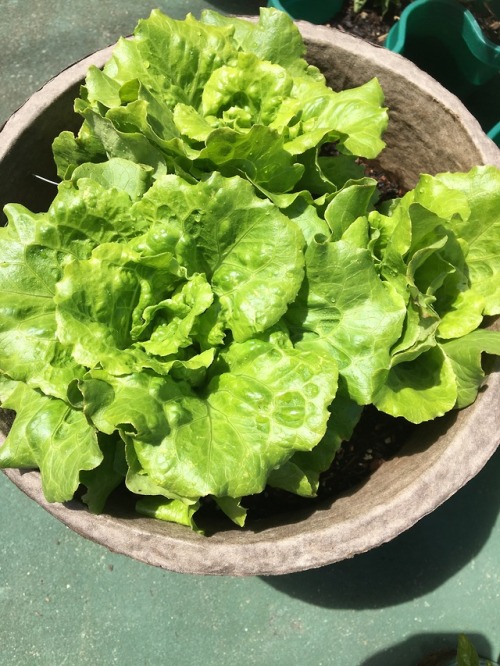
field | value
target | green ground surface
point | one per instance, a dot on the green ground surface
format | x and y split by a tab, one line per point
65	600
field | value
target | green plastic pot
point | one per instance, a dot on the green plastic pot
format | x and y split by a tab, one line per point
315	11
494	133
444	39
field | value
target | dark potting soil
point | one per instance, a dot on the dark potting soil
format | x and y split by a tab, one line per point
388	187
368	23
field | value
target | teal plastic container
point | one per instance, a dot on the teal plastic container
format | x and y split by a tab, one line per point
315	11
445	40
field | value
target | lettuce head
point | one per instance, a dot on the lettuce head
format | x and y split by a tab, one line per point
214	294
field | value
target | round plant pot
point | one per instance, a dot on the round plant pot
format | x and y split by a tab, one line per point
429	131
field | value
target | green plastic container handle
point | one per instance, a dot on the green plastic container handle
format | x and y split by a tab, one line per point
494	133
315	11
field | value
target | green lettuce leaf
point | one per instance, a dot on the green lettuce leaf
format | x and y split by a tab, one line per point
301	474
305	215
465	355
116	174
419	390
175	318
69	150
251	253
132	145
346	304
194	96
231	506
352	201
248	92
49	434
16	451
479	231
173	511
29	349
462	274
273	37
269	403
140	483
354	118
93	209
325	174
101	299
258	154
108	475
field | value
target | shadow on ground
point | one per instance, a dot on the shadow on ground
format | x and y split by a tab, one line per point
427	650
413	564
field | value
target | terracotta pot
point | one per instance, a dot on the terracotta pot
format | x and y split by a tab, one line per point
430	131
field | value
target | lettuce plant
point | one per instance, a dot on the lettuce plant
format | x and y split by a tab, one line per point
211	299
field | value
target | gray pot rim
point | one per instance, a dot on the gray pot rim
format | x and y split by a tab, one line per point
396	496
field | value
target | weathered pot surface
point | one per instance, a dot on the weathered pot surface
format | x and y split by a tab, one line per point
430	131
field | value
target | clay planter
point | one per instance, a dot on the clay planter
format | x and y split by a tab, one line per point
430	131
